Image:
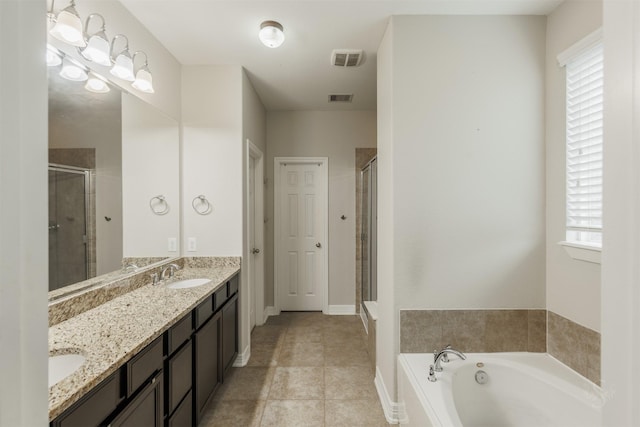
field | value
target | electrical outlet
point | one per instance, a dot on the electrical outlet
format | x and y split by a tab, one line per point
172	244
191	244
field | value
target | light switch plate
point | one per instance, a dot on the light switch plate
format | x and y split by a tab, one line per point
191	244
172	244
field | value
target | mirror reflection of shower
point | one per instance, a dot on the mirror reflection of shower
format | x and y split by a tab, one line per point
369	238
69	225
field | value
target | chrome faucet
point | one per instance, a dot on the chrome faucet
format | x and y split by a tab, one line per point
444	353
171	268
439	357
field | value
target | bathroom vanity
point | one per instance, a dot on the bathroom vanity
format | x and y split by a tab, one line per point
154	356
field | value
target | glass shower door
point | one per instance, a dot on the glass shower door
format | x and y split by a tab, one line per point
67	226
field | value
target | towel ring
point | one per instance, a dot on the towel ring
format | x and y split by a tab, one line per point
203	207
161	207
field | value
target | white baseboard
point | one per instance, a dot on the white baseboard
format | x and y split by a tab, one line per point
243	358
342	310
392	411
270	311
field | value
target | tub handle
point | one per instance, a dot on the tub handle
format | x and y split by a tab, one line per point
432	374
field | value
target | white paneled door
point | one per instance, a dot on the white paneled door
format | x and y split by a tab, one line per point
301	233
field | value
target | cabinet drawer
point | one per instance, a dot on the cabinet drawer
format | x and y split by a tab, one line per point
183	415
96	406
221	296
144	365
179	376
203	311
179	333
233	285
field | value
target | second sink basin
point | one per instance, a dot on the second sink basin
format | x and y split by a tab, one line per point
63	365
190	283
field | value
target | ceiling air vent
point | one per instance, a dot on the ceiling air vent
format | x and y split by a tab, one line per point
346	57
341	97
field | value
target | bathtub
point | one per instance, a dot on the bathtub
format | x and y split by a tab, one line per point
521	389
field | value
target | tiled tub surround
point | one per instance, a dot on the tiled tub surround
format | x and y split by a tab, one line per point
111	333
490	331
91	293
473	331
575	346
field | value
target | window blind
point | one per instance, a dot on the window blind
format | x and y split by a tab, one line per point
584	75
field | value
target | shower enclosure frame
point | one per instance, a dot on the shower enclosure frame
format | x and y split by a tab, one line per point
56	167
368	236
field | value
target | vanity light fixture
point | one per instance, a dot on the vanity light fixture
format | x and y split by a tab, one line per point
144	79
96	84
122	62
53	56
271	34
97	49
71	70
68	26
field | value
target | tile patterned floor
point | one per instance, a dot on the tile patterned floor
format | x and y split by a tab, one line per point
306	369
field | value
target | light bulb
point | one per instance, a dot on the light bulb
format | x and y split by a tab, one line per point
144	81
97	50
68	28
96	84
53	59
123	67
73	72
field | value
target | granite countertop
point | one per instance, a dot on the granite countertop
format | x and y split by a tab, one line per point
112	333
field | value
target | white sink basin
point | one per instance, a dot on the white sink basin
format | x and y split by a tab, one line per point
190	283
63	365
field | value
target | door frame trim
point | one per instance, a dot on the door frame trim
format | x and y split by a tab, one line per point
259	280
324	164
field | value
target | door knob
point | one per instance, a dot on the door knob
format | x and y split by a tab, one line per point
255	251
318	245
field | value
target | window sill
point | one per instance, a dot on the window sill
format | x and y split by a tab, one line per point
582	252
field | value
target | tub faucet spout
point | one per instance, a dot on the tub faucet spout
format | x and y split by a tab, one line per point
441	355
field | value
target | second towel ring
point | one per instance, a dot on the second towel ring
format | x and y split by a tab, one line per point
161	207
201	205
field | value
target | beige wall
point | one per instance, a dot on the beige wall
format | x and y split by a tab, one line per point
332	134
620	273
23	215
465	139
212	158
566	277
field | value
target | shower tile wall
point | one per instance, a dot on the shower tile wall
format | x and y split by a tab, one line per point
363	156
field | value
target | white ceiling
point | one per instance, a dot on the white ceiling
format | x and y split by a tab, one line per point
298	75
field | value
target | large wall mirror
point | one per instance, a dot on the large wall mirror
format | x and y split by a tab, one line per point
113	185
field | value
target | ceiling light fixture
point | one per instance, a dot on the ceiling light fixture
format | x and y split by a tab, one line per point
68	26
122	63
271	34
71	70
144	79
97	49
96	84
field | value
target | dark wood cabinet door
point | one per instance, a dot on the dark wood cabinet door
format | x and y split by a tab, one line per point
229	333
207	369
179	376
146	409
